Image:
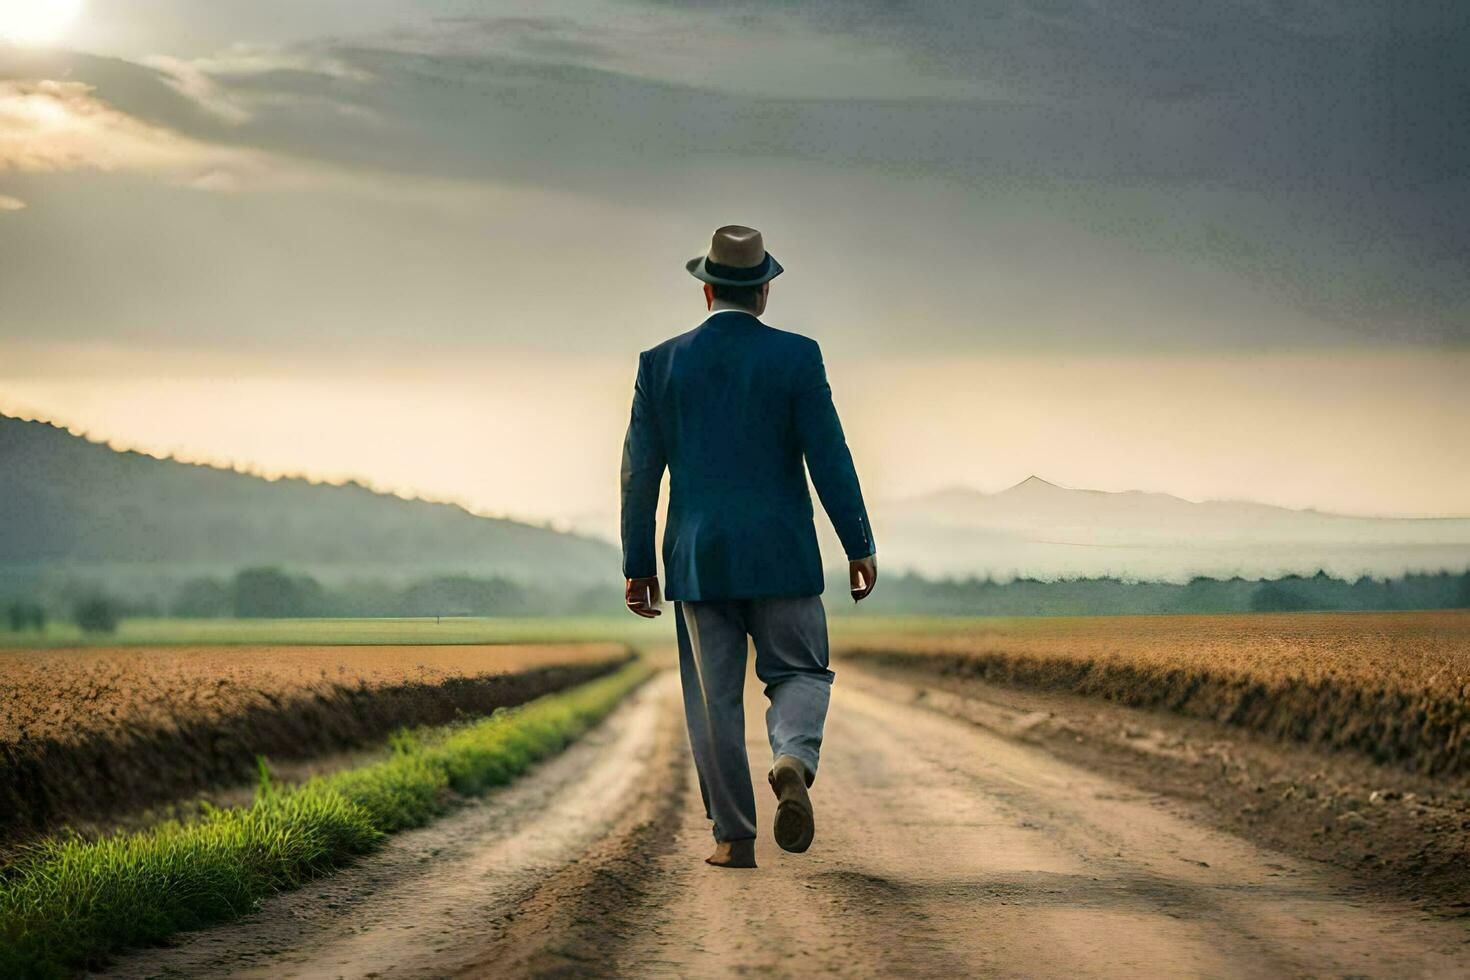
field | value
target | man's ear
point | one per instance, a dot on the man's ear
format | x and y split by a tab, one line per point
709	296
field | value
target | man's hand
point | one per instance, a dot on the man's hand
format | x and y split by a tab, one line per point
862	575
643	597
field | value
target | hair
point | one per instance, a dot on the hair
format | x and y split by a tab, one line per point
747	297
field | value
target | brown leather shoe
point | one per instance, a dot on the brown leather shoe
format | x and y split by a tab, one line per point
795	825
733	854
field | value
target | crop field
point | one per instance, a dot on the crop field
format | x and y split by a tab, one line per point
68	902
85	733
1394	686
392	732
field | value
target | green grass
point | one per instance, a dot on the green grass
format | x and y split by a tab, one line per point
291	632
68	903
624	628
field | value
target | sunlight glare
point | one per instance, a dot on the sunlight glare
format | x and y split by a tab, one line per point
36	21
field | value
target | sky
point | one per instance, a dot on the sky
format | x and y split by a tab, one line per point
1217	250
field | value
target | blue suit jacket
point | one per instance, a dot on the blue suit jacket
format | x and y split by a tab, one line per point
731	408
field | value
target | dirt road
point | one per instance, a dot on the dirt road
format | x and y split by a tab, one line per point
942	850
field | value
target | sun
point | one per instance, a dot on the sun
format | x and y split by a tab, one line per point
36	21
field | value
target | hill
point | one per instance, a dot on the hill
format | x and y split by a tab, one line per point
1037	528
71	507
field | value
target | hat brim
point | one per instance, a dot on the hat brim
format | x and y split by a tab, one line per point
771	269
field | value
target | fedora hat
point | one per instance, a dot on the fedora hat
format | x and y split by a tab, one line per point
737	257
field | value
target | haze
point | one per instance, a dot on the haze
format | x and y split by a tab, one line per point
1215	251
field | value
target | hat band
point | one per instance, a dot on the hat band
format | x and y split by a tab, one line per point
739	272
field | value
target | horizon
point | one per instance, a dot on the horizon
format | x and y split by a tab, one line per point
248	469
1179	429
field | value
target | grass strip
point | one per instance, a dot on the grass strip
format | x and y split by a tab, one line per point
68	903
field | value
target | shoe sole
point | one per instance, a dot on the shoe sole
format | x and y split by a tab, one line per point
795	826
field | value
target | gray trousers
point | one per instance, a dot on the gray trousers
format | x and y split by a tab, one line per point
790	634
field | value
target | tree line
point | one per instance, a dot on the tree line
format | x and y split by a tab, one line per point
1104	596
277	593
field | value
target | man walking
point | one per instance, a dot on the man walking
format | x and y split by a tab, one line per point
731	408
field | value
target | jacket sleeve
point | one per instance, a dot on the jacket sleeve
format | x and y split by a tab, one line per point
827	457
643	470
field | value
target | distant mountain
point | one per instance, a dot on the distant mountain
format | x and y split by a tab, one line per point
73	507
1039	529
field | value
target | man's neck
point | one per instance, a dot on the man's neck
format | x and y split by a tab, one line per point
720	307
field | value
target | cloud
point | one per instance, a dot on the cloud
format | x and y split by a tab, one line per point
8	203
766	55
52	125
1332	223
49	126
222	83
1312	158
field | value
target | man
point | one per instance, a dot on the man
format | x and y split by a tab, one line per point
731	409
